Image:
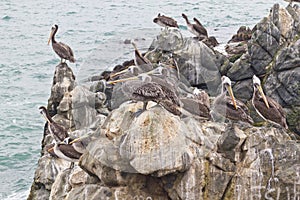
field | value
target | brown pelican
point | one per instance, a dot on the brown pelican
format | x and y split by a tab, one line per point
58	132
165	21
61	49
291	1
143	88
79	144
65	152
197	104
139	59
266	107
197	29
228	106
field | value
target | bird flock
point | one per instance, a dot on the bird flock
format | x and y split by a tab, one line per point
163	84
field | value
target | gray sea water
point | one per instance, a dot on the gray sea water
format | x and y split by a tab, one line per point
95	30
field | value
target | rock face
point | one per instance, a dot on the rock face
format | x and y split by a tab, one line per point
157	155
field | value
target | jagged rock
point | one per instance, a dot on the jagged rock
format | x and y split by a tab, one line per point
243	90
154	130
45	175
230	144
236	50
63	81
241	69
288	58
157	155
197	62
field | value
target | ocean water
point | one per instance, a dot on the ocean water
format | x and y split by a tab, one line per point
96	32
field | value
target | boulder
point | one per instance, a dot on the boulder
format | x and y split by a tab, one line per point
63	81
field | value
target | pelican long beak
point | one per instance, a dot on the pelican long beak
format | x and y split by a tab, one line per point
123	80
229	89
75	140
118	73
79	139
51	149
50	36
263	95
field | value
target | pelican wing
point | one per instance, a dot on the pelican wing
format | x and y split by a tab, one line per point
59	131
151	91
63	51
274	113
168	21
68	49
200	29
69	151
241	113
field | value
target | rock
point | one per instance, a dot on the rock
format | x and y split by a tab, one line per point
241	69
197	62
235	50
150	154
288	58
158	155
243	90
63	81
230	144
45	175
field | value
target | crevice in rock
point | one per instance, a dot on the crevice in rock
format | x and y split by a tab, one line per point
227	189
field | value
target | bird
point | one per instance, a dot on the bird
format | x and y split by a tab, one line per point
65	151
165	21
61	49
291	1
58	132
139	59
266	107
197	104
197	28
230	107
146	88
79	144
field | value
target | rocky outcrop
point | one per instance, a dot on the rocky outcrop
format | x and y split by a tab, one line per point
273	54
157	155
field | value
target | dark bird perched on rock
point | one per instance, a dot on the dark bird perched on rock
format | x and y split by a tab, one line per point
79	144
228	106
266	107
197	104
165	21
139	59
144	88
65	151
197	28
291	1
61	49
58	132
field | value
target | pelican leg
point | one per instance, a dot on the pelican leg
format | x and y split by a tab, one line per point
71	165
140	111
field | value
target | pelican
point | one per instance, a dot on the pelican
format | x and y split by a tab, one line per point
197	103
165	21
266	107
228	106
79	144
65	151
139	59
58	132
143	88
197	28
291	1
61	49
